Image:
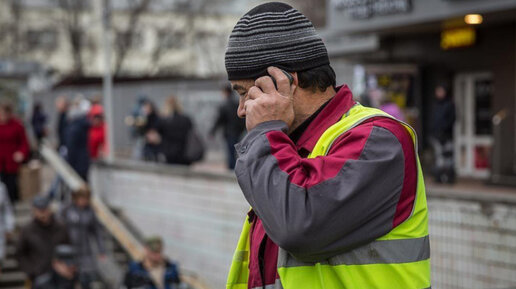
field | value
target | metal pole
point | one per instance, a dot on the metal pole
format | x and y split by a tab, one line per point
107	80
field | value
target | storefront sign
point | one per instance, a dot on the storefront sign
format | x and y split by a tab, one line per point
457	38
363	9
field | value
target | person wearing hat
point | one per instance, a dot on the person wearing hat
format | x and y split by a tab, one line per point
155	271
84	227
76	136
39	238
63	274
337	195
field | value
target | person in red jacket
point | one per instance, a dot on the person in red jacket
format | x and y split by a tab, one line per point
97	133
14	149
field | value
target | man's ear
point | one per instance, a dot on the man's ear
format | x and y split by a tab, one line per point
295	82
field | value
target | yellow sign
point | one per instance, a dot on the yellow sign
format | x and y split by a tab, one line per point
458	37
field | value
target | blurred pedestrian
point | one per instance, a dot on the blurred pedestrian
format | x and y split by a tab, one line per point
83	226
62	110
232	125
61	104
76	137
390	107
133	121
173	132
143	122
149	127
14	149
155	271
443	120
63	274
38	240
39	122
97	134
7	221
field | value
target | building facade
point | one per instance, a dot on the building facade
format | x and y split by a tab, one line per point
408	47
158	37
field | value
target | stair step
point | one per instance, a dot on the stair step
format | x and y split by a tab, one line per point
10	265
21	209
12	279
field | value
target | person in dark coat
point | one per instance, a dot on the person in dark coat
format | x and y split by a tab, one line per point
39	122
38	240
231	124
64	271
62	110
83	226
155	271
172	133
14	149
76	137
443	115
443	120
149	126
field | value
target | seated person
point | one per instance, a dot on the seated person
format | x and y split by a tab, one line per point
64	271
155	271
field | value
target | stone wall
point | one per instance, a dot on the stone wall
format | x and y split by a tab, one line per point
473	236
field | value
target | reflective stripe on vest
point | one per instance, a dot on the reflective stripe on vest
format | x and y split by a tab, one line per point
399	259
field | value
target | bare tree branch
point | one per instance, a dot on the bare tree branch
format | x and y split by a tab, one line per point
72	10
14	29
125	40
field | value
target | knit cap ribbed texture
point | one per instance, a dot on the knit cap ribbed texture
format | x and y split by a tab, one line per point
273	34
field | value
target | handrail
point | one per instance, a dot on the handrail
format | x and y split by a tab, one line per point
116	228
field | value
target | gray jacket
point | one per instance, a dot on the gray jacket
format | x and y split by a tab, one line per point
84	228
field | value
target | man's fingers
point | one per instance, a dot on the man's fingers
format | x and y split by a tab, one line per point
282	81
266	84
254	92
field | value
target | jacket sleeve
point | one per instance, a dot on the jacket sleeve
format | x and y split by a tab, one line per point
22	252
318	208
96	231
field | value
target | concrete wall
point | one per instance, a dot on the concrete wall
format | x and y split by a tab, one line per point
473	235
198	215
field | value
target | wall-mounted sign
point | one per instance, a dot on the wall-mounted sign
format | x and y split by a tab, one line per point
363	9
458	37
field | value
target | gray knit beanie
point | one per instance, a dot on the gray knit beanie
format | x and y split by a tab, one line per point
273	34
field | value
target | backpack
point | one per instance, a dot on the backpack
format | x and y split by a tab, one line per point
194	150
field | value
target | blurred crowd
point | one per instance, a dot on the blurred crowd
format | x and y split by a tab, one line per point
170	136
64	243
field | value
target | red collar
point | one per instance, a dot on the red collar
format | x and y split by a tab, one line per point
332	113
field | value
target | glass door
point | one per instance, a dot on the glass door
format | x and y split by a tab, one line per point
473	128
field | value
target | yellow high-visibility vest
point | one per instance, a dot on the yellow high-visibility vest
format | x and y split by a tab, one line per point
398	260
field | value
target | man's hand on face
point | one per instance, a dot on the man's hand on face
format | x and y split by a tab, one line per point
265	103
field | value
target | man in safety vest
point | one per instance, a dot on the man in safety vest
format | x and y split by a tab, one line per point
336	190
